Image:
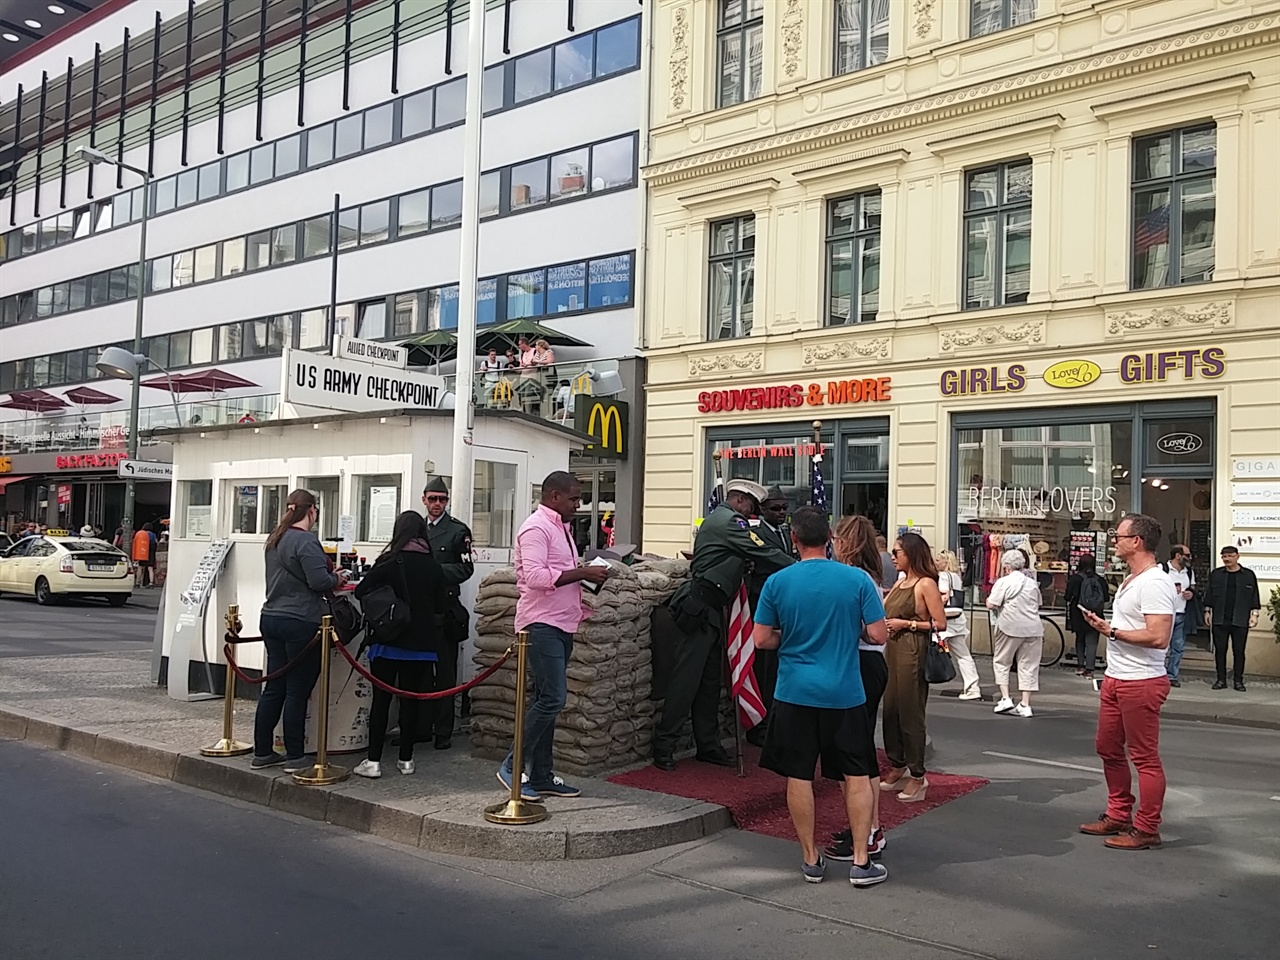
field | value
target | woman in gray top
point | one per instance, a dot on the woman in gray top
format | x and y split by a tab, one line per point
298	576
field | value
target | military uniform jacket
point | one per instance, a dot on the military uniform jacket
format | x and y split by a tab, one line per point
726	543
451	544
780	538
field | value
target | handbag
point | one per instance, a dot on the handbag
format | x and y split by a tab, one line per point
346	619
386	613
938	667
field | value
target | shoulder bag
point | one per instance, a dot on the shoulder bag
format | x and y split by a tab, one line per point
346	618
938	667
386	613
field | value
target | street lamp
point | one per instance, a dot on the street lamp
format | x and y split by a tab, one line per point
119	364
134	372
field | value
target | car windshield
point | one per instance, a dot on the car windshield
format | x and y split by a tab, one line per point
88	546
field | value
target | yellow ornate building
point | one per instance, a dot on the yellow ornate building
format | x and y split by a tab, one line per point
1020	257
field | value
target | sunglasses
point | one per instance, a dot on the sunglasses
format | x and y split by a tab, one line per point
896	552
437	499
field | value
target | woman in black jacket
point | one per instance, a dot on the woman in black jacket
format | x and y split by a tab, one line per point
1086	636
407	566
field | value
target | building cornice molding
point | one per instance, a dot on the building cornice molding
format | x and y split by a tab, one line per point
707	195
1039	121
1156	95
886	156
1089	71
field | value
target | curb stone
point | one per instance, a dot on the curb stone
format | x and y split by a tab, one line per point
440	831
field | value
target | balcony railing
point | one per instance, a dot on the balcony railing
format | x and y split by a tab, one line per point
109	431
551	392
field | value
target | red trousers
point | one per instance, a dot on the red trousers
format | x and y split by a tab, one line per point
1129	730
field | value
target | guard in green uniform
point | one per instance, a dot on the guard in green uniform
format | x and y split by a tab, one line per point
451	544
774	530
724	548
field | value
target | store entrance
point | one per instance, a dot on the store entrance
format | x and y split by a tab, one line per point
870	500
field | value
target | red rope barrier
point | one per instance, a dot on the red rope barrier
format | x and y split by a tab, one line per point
226	651
434	695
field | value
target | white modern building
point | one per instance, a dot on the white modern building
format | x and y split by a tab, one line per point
257	120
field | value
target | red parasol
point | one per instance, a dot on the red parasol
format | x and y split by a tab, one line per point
88	396
206	381
34	401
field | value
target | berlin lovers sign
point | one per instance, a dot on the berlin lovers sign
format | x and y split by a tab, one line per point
356	385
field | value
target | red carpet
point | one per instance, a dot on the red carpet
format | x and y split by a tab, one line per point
758	801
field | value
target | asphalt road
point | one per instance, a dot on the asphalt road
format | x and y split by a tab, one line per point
75	626
96	862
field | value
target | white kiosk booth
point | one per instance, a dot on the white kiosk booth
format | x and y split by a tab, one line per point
365	465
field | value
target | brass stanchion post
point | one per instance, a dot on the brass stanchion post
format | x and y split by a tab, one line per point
228	746
324	772
517	809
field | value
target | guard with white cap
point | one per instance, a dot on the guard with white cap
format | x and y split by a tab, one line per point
725	547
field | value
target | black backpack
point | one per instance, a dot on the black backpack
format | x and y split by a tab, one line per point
386	614
1093	593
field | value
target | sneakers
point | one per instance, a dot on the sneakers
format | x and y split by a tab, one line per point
867	875
1239	685
1004	706
1104	826
1175	682
557	788
1219	685
1022	710
527	792
973	693
297	764
270	760
1133	839
370	769
405	766
842	846
814	872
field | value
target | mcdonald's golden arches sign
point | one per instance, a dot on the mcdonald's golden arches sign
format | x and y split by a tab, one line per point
607	421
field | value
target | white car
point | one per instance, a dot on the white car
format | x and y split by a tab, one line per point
50	568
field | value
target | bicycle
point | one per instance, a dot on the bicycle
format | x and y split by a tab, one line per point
1055	641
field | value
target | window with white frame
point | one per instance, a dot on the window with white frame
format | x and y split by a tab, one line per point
853	258
992	16
1174	207
740	39
326	493
256	508
997	235
195	509
861	34
732	282
493	518
379	505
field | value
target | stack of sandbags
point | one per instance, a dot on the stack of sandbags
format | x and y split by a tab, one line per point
608	717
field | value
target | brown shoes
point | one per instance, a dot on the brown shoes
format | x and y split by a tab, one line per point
1133	839
1104	826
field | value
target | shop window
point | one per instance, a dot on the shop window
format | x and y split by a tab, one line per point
997	232
853	259
862	34
613	164
1185	442
569	174
992	16
573	61
494	499
379	505
326	492
732	265
740	41
195	509
1174	207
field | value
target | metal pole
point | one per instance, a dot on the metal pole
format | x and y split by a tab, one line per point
517	810
464	400
229	746
135	391
324	772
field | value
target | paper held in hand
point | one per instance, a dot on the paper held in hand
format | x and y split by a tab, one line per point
587	584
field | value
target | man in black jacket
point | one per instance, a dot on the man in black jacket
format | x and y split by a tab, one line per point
451	544
1231	611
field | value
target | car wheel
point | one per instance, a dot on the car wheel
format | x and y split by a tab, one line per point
44	595
118	599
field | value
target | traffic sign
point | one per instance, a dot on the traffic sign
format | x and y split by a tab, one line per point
145	469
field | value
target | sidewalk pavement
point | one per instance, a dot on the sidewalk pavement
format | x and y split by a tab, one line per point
104	707
1258	706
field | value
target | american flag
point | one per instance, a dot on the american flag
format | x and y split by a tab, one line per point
819	489
1152	230
741	647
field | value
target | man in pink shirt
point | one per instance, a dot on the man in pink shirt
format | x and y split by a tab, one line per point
549	581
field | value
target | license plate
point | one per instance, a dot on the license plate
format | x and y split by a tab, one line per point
102	567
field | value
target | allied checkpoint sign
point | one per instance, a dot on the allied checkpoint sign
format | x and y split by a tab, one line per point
356	386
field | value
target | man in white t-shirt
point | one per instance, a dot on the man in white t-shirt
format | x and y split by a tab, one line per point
1184	584
1134	689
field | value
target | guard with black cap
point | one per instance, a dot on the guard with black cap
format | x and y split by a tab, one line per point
451	544
775	531
726	545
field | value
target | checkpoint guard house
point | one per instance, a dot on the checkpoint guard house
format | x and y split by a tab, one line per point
363	432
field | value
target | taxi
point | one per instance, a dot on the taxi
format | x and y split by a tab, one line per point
52	567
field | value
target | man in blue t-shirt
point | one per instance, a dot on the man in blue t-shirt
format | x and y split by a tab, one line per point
813	614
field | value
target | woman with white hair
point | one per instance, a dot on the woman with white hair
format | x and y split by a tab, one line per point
957	635
1019	635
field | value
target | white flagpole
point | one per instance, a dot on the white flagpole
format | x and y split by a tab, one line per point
464	407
